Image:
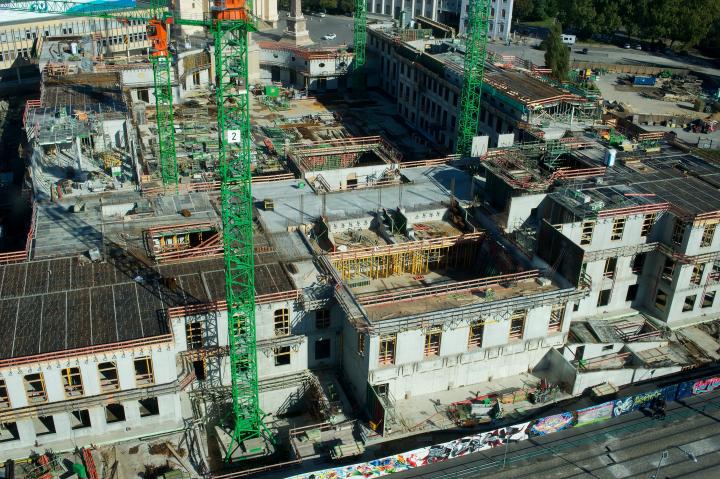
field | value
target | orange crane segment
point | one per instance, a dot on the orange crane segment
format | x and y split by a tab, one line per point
158	38
229	10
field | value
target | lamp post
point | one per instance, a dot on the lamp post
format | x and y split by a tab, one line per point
663	456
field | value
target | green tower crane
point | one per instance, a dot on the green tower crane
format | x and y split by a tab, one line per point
233	103
230	23
164	116
160	60
473	72
359	44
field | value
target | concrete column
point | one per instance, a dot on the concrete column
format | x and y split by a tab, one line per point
296	28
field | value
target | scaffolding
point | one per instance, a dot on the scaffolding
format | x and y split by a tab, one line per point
341	153
182	242
415	258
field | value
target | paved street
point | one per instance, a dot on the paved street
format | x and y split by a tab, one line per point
629	446
340	25
608	54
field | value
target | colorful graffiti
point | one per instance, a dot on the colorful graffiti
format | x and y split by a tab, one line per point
706	385
593	414
633	403
424	456
519	432
551	424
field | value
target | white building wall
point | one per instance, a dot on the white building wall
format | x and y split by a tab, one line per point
169	414
458	365
500	18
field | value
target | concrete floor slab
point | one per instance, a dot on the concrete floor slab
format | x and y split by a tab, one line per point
428	411
702	340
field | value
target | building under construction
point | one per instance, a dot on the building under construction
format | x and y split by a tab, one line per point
389	275
519	102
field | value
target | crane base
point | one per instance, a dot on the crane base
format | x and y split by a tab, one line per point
248	449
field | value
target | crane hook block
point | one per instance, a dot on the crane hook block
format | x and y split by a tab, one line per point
230	10
158	38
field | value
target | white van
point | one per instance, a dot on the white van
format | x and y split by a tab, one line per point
568	39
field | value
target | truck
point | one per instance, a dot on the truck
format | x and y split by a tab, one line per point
568	39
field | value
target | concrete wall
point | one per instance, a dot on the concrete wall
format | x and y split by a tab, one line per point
590	350
556	369
115	131
356	362
521	208
618	377
338	178
169	415
458	364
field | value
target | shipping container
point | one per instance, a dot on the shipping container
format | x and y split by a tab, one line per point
644	81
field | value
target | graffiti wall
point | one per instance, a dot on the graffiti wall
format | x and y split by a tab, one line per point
706	385
510	434
551	424
424	456
593	414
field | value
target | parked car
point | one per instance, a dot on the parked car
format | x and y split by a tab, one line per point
320	14
627	46
329	36
637	46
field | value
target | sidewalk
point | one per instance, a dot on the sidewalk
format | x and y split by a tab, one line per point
428	412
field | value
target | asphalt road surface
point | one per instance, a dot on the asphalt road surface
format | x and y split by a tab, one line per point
629	446
340	25
601	53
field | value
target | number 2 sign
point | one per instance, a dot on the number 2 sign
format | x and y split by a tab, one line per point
234	136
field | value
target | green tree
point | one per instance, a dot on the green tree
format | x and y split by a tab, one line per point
545	9
696	22
557	54
346	5
328	4
523	9
578	16
610	14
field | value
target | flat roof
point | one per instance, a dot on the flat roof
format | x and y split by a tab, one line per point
522	86
386	311
688	183
429	186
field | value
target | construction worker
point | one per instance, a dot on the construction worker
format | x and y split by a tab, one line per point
659	408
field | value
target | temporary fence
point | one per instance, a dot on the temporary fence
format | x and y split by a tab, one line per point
516	433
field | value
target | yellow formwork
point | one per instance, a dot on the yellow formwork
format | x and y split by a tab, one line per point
416	262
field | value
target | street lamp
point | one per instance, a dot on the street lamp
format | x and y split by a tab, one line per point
663	456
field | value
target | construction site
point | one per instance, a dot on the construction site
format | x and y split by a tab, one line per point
262	259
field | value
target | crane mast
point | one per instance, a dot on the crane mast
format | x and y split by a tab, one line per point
161	60
473	72
359	44
230	22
